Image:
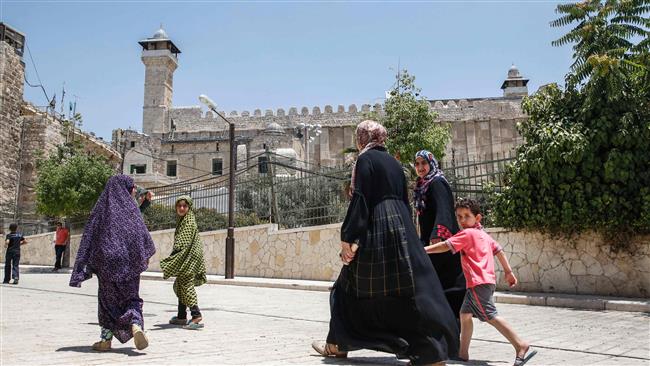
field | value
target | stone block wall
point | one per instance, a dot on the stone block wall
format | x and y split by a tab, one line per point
264	251
578	265
581	265
12	71
41	135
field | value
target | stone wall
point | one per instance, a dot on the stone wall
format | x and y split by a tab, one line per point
41	134
264	251
581	265
12	71
39	250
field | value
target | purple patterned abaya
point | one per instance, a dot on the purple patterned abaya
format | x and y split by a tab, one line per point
115	246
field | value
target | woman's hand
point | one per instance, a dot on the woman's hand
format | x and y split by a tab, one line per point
347	252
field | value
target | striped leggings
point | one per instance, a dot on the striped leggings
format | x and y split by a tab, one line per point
184	290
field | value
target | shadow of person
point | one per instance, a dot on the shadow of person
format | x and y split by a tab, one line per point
474	363
163	326
129	351
386	360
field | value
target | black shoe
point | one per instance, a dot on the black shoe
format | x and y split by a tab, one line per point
15	282
5	281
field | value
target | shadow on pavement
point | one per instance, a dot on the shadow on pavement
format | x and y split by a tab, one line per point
388	360
163	326
129	351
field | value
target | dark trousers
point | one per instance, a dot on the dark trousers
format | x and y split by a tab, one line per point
59	249
11	265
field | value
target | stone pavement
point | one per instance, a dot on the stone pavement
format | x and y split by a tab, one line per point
43	321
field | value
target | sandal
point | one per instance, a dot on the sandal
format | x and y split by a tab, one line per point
178	321
328	350
520	361
194	324
102	346
139	338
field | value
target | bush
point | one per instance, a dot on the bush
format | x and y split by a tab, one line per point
161	217
584	164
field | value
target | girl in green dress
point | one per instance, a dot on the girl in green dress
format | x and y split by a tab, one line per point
186	264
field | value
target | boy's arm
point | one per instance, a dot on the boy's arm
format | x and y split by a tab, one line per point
440	247
505	265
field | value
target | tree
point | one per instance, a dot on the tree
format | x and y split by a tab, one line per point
603	38
584	163
411	123
70	181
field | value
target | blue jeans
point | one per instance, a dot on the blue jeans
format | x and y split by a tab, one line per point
11	265
59	250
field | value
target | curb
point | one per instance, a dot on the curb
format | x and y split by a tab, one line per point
585	302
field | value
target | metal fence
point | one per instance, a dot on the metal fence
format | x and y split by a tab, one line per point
281	191
477	179
468	177
26	226
273	190
298	197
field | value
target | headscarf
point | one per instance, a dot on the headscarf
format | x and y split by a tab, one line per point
116	244
187	253
370	134
422	184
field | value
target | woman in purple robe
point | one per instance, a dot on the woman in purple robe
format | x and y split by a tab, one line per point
116	246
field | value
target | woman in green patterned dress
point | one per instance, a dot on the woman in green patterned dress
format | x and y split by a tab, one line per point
186	264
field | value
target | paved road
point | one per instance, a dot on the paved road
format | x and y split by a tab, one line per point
43	321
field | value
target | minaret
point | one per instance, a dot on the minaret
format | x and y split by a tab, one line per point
160	59
515	84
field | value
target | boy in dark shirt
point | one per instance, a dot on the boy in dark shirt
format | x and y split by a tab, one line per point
13	242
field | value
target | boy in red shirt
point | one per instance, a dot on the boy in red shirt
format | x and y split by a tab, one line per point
477	250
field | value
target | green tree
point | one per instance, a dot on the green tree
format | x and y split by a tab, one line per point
603	39
70	181
584	163
411	123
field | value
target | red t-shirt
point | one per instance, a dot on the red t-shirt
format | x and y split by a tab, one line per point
477	250
61	237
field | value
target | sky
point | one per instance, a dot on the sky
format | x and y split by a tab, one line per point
280	54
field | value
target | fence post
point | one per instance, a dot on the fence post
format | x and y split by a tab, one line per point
274	202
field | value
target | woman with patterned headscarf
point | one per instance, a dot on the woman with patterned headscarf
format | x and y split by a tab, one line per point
186	264
434	204
387	297
116	246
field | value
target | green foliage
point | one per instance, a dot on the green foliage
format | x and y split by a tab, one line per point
411	122
603	37
70	182
584	163
161	217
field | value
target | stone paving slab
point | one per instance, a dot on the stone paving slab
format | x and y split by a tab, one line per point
45	322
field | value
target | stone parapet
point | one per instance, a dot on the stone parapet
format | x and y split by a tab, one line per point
582	265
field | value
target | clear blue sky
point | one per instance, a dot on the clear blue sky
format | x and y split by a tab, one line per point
281	54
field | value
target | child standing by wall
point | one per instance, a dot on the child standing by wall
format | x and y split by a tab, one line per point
477	250
13	241
186	264
61	241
